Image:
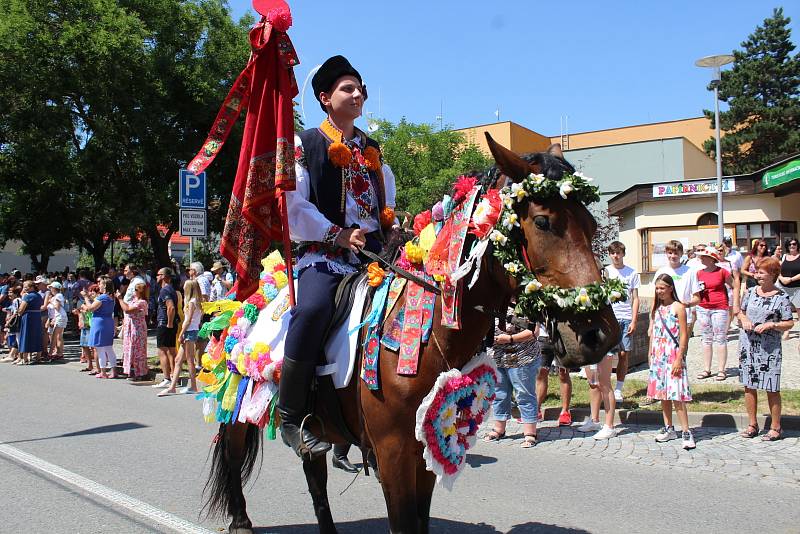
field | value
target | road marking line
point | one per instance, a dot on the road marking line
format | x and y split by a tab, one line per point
134	505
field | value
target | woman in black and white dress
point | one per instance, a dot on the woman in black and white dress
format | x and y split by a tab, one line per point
765	314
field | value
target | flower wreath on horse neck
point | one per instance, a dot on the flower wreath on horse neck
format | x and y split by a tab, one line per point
496	220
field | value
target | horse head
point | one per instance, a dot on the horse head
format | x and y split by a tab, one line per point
555	248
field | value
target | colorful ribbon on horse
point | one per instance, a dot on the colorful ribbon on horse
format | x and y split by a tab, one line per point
451	292
372	347
411	337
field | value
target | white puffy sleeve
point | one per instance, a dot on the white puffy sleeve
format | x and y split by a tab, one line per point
389	186
306	223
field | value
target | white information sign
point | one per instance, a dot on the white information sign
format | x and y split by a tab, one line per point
193	223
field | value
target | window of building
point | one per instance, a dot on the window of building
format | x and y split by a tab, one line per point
772	232
645	251
708	219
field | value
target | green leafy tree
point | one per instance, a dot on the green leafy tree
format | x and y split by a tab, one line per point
425	161
763	93
110	98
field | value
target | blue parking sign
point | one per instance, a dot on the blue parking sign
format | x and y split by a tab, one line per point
192	189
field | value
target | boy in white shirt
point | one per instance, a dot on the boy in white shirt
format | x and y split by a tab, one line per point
625	312
684	276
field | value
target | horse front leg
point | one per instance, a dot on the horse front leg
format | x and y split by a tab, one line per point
399	481
316	471
426	481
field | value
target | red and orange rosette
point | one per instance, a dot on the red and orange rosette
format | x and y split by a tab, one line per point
375	274
339	154
372	157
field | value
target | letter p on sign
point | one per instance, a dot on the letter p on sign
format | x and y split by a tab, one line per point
192	190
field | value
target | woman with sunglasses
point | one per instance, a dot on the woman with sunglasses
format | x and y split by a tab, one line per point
790	275
750	265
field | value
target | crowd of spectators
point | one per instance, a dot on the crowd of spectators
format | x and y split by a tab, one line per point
97	307
702	291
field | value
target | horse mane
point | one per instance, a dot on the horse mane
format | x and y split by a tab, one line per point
553	168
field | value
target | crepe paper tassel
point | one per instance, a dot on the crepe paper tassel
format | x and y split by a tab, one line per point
219	322
229	399
271	427
241	390
209	409
220	306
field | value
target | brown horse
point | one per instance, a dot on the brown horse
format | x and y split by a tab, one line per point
558	234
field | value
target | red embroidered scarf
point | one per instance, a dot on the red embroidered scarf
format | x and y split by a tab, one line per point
266	162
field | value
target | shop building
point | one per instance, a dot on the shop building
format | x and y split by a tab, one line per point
764	204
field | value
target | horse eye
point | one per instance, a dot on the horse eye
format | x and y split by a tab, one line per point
541	222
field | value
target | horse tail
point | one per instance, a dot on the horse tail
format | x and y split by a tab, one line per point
233	461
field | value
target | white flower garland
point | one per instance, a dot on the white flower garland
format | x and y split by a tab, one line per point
507	240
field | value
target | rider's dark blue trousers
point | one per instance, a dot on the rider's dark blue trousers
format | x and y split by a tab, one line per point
316	292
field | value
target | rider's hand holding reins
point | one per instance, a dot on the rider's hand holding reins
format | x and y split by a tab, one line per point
351	238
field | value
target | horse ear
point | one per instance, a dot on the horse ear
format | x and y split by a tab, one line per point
555	150
508	162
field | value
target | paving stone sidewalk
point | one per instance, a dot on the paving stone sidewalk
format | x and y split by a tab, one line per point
719	450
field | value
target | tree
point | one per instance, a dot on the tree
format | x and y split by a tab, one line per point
425	161
113	97
763	93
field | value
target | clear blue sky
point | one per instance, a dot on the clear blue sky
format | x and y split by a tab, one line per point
603	64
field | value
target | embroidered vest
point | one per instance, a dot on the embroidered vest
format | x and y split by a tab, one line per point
326	180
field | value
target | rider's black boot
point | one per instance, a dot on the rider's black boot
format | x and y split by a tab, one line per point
295	385
340	461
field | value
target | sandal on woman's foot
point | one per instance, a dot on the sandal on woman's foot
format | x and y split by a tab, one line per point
703	375
750	432
529	442
86	369
493	435
721	376
774	434
94	373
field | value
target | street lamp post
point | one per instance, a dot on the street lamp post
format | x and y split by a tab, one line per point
716	62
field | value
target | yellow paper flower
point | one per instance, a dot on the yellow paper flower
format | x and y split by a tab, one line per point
260	348
281	280
414	253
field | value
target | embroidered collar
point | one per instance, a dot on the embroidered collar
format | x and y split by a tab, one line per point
335	135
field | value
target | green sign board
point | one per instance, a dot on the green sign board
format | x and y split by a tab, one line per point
781	175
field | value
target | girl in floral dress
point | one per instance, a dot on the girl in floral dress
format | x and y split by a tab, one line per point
669	381
134	333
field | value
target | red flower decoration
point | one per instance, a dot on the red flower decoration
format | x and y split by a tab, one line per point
463	186
485	216
421	221
257	300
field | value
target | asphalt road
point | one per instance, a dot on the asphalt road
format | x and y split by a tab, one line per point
125	439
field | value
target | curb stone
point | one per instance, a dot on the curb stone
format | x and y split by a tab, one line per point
738	421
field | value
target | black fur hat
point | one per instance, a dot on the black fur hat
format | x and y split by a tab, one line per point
330	71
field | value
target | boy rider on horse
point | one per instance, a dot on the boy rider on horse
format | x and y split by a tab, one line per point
342	190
